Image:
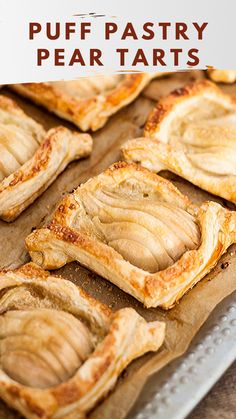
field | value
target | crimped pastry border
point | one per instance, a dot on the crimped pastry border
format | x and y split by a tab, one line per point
125	336
90	113
62	241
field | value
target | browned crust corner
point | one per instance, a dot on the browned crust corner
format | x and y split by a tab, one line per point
167	104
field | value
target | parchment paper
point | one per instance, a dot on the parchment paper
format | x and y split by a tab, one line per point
186	318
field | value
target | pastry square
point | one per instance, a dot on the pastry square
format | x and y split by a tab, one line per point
89	101
192	132
222	76
137	230
30	158
61	351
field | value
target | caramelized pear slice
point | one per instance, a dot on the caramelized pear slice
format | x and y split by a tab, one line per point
49	344
156	234
147	244
179	221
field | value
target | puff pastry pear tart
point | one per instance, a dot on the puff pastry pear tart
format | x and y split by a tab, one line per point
137	230
192	132
223	76
61	351
89	101
30	158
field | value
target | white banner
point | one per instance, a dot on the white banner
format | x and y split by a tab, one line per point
65	39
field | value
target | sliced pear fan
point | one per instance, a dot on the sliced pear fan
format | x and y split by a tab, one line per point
150	234
15	118
212	145
49	345
20	137
16	147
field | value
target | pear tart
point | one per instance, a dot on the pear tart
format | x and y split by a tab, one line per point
137	230
61	351
89	101
30	158
222	76
192	132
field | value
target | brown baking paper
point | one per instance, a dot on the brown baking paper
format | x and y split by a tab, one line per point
186	318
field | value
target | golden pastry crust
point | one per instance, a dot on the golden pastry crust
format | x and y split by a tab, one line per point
69	340
30	158
222	76
100	97
194	238
192	132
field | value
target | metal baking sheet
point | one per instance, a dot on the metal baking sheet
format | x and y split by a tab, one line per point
178	388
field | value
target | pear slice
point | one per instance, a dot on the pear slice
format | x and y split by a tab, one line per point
49	344
20	122
8	162
18	143
219	161
32	345
181	222
136	253
141	237
28	369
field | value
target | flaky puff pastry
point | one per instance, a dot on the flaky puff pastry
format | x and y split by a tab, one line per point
222	76
30	158
61	351
192	132
137	230
89	101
